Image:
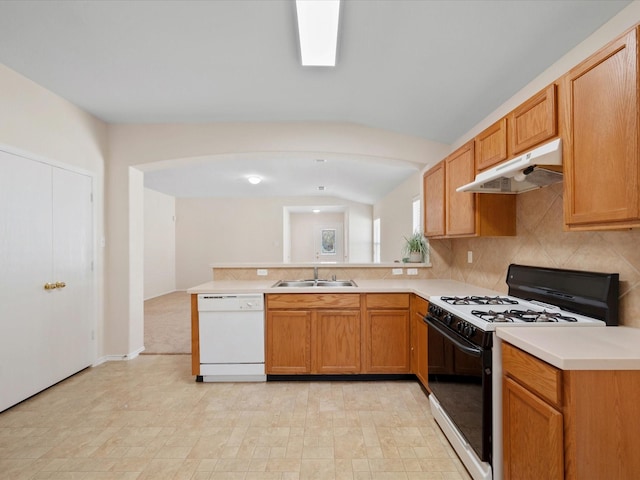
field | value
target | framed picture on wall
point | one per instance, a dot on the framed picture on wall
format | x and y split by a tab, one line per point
328	241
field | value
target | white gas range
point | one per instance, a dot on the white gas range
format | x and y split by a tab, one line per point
465	361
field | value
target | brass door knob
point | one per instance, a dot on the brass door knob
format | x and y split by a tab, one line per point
50	286
60	285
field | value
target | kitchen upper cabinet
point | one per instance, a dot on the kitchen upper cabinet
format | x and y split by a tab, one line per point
434	201
533	122
568	424
460	206
387	333
459	214
599	100
491	146
419	339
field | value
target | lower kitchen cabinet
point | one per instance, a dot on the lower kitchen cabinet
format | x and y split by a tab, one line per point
313	333
288	342
568	424
419	339
534	435
337	342
387	333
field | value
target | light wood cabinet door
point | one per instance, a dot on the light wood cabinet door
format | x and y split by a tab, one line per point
491	145
602	175
337	342
434	201
388	342
460	206
419	332
533	436
534	121
288	342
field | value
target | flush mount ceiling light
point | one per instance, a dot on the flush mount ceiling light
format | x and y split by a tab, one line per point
254	179
316	210
318	31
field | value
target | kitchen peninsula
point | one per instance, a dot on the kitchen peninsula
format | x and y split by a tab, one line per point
369	278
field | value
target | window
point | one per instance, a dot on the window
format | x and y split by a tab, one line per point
417	219
376	240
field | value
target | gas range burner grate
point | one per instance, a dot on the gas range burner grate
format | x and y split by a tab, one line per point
476	300
529	316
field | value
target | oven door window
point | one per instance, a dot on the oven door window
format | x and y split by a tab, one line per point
459	377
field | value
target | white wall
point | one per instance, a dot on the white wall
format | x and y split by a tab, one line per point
305	236
241	230
159	243
38	122
396	219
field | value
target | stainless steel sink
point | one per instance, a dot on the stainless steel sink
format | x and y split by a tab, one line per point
314	283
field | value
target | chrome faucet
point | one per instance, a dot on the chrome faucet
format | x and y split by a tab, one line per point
315	273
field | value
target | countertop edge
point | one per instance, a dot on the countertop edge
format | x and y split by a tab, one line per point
616	347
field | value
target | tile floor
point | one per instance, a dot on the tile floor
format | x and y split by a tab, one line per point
148	419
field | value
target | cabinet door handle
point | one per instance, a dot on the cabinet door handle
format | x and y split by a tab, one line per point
50	286
60	285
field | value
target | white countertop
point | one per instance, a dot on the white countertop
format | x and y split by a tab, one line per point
423	288
579	348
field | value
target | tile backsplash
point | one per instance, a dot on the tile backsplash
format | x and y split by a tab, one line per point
541	241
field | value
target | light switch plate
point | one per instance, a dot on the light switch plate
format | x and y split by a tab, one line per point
262	272
469	256
396	271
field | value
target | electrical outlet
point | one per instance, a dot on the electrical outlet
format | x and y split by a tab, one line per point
469	256
412	271
396	271
262	272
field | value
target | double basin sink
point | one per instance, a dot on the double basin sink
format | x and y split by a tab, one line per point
315	283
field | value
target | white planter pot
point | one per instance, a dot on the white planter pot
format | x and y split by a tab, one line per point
415	257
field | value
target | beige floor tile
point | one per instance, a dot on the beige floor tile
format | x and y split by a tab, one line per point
148	419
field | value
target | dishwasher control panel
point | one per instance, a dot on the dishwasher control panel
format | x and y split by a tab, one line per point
210	302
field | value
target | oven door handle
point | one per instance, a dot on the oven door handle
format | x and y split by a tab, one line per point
468	349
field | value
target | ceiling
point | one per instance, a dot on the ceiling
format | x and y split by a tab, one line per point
431	69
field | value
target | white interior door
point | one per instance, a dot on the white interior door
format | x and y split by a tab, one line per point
72	319
25	259
43	333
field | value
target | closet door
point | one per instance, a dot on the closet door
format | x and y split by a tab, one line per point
45	334
25	260
72	318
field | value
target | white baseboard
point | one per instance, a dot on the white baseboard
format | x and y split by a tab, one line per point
117	358
161	294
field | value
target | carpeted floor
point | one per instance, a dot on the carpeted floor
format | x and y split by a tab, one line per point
167	324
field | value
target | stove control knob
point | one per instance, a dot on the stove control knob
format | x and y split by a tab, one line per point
469	331
460	327
447	318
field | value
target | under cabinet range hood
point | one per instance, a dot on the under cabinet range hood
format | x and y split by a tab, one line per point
534	169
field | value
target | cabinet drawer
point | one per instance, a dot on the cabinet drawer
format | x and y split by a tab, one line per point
533	373
313	300
387	300
419	305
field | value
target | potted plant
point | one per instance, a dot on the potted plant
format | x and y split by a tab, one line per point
415	248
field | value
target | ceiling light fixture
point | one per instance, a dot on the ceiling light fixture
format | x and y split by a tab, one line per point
318	31
254	179
316	210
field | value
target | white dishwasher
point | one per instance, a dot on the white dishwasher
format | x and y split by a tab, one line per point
231	337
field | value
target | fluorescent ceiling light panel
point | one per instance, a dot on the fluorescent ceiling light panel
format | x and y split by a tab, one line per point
254	179
318	31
